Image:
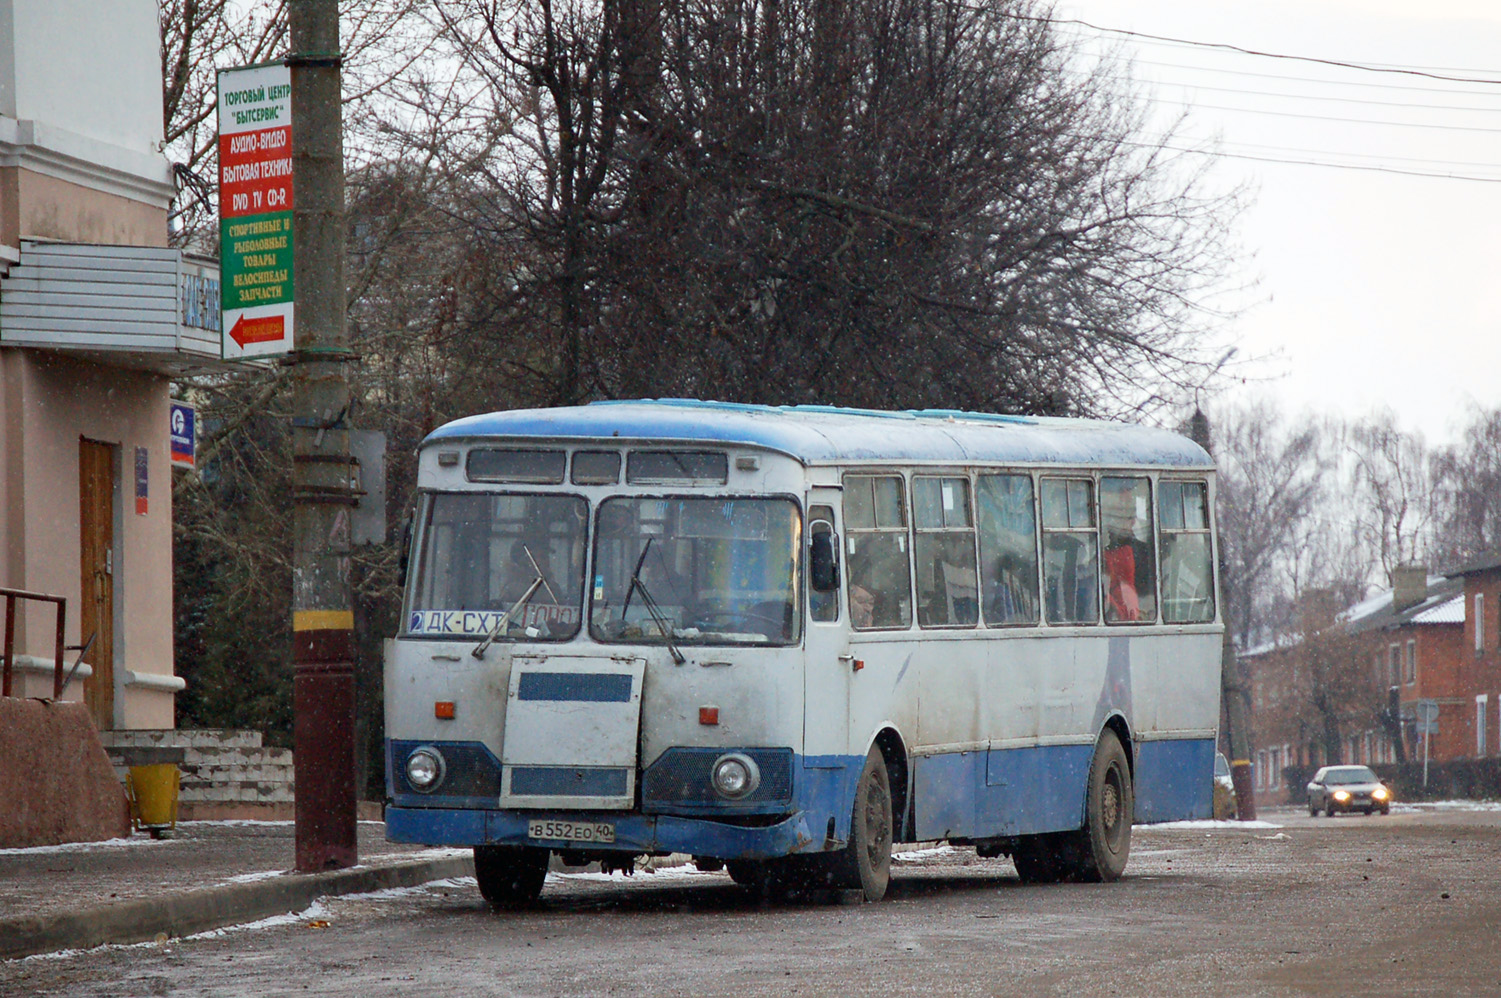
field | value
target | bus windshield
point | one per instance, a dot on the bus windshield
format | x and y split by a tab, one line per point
482	555
697	571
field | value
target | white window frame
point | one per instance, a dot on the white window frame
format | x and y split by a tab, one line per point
1480	712
1480	622
1410	663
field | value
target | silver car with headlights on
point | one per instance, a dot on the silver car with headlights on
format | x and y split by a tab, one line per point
1347	788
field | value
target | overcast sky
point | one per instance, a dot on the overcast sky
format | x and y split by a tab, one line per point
1373	288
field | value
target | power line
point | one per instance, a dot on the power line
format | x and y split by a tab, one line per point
1336	118
1161	41
1405	87
1340	100
1379	158
1226	47
1324	165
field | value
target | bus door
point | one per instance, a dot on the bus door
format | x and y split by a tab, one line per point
826	666
572	727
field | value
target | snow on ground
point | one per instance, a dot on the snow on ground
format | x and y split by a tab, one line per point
1224	825
683	872
83	846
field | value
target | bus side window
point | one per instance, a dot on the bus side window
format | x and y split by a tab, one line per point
944	553
1070	561
1008	548
822	607
1187	563
1130	593
877	570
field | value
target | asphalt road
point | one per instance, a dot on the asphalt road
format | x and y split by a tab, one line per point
1408	904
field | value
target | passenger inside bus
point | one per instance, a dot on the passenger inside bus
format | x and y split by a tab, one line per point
1130	581
882	582
862	606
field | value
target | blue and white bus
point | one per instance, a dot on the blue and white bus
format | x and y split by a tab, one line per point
779	639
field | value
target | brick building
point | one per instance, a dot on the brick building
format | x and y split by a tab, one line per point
1469	691
1349	688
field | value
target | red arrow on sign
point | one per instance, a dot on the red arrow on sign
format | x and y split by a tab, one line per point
262	330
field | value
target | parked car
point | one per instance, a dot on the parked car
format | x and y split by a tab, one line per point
1224	789
1347	788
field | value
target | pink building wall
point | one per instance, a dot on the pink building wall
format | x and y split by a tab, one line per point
48	401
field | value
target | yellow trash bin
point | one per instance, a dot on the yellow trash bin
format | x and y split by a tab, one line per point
153	797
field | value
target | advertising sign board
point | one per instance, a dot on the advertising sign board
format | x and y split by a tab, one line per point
255	210
182	435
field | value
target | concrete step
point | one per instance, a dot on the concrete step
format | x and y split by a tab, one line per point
236	792
219	766
207	755
184	738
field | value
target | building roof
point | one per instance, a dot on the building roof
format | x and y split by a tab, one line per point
826	434
1484	563
1376	613
1451	611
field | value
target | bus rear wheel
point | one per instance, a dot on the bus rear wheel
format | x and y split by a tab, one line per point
865	864
510	875
1104	843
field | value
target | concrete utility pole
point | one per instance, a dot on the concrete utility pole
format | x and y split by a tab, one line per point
1231	691
322	614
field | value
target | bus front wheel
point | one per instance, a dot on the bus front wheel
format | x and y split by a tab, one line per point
865	864
1104	843
510	875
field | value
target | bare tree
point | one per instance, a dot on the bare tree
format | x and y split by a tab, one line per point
1467	480
1271	489
1391	491
889	202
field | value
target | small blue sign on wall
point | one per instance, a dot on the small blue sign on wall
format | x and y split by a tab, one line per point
183	435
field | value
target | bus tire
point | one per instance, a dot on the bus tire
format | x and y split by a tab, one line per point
750	873
1104	843
865	863
1042	859
510	875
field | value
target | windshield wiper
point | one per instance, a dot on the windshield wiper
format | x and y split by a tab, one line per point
657	616
500	625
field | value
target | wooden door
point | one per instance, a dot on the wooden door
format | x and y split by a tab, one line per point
96	477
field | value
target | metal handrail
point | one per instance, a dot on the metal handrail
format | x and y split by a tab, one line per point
8	655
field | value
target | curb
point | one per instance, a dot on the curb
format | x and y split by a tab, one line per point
209	908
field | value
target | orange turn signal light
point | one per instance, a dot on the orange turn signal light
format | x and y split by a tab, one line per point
708	715
443	710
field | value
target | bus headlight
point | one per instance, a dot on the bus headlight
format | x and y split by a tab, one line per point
425	769
735	776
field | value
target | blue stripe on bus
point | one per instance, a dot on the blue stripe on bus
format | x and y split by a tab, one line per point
1174	780
634	833
984	794
1026	791
590	687
568	781
980	794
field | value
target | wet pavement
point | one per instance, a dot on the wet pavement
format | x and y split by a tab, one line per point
76	894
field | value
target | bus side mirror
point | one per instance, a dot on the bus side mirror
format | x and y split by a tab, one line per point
823	562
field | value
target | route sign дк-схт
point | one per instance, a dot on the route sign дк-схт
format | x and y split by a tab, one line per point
255	210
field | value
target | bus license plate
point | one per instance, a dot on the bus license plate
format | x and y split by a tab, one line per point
572	831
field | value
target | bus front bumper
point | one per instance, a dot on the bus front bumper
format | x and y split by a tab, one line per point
633	833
